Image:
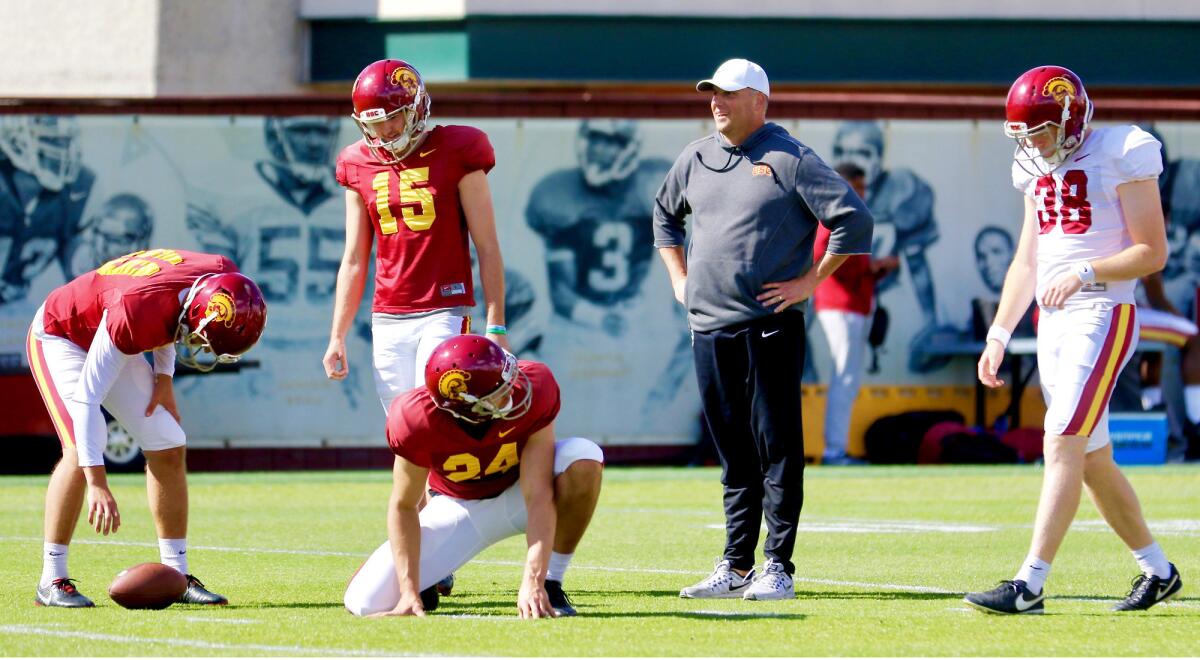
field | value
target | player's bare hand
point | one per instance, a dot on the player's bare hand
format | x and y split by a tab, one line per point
102	510
989	364
533	602
781	295
336	366
500	339
680	287
1064	286
409	605
163	395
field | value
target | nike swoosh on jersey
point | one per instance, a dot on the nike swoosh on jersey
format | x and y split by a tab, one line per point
506	432
766	334
426	153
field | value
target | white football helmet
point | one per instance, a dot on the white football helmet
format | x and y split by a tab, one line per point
45	146
608	150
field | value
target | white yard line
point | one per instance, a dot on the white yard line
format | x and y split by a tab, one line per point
216	619
45	631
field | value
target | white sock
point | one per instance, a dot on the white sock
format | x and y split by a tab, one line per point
558	566
1034	572
1191	401
54	562
1153	561
1151	396
174	554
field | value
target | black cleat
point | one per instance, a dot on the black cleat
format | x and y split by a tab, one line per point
196	594
61	592
429	599
559	599
446	586
1011	597
1149	590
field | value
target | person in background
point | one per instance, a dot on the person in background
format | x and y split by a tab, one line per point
844	303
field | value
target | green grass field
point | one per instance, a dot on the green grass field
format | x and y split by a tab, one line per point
883	557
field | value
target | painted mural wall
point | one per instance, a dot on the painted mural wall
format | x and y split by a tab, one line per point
586	291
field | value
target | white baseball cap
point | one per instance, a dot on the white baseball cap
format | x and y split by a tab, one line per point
737	74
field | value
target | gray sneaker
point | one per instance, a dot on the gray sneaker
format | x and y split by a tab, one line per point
61	592
773	584
723	583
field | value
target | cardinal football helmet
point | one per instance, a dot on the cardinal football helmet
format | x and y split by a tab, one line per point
384	90
223	315
1041	99
45	146
472	378
607	149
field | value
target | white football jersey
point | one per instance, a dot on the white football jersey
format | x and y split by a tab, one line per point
1078	211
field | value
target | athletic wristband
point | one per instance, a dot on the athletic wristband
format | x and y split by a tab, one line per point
1084	270
496	330
999	334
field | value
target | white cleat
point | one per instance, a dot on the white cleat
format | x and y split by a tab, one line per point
723	583
773	584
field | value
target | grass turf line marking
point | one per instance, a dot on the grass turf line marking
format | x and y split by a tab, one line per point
214	619
192	643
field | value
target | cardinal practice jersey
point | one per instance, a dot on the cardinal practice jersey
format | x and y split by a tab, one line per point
141	293
1079	213
422	260
460	465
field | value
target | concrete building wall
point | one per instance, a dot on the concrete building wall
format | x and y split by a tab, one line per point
66	48
230	47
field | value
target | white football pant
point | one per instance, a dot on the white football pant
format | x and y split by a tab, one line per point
453	531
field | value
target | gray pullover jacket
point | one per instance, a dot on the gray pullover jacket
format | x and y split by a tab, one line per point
755	210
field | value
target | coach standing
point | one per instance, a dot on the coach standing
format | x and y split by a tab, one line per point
755	194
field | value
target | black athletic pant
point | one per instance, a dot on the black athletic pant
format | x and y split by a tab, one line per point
749	376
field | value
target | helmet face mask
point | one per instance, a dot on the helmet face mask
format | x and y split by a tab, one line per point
223	316
386	91
1047	112
473	379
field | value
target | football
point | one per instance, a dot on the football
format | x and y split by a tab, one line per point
150	586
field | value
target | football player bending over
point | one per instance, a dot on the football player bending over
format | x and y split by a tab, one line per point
481	431
86	348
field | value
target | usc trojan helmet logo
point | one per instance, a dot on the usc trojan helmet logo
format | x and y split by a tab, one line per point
453	383
406	78
1060	88
220	307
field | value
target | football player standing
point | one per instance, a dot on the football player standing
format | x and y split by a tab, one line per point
85	349
480	432
1093	225
420	191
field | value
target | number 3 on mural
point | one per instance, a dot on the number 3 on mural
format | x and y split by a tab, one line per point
416	200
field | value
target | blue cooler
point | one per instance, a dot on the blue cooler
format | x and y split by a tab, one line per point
1138	438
